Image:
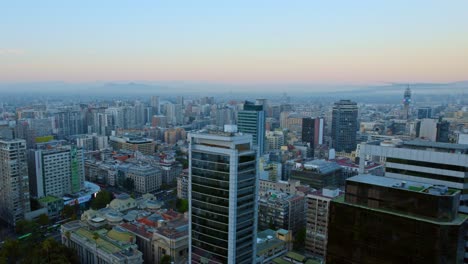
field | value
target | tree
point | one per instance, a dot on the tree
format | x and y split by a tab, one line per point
47	251
68	211
43	220
11	251
299	240
182	205
165	259
129	184
34	204
47	246
25	226
101	200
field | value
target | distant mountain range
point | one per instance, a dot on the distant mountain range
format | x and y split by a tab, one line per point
176	87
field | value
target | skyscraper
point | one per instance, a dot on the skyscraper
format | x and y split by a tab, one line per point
312	131
154	105
344	125
406	103
251	121
223	189
14	185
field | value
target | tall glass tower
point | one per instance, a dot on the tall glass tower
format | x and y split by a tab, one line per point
251	121
223	188
344	125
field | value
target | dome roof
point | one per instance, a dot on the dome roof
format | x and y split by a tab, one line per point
113	217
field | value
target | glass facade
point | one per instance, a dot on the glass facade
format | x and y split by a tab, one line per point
212	203
361	235
435	207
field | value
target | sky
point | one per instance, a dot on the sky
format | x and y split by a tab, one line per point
280	42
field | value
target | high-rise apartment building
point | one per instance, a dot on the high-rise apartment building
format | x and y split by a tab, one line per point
223	189
14	183
318	207
154	104
56	172
344	125
251	121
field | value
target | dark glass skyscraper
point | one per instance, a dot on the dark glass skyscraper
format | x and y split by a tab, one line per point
344	125
312	131
222	198
386	220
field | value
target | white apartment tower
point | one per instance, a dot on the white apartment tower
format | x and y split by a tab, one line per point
14	183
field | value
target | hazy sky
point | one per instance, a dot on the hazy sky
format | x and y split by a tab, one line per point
234	41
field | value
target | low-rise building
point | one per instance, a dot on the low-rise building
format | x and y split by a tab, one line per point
269	246
101	245
318	174
146	178
143	145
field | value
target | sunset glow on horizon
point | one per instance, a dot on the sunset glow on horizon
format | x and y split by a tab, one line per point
238	42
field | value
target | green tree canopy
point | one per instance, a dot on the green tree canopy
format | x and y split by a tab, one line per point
182	205
101	200
43	220
165	259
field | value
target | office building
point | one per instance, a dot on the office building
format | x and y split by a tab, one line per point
422	161
14	183
312	131
146	178
428	129
424	112
318	173
387	220
223	189
274	140
344	126
443	131
251	121
143	145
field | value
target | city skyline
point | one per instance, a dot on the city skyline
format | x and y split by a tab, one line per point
242	43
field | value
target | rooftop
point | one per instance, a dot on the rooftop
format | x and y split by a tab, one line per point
266	240
456	221
438	145
49	199
101	241
322	166
404	185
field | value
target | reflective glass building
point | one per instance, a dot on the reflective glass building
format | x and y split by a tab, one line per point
386	220
222	198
